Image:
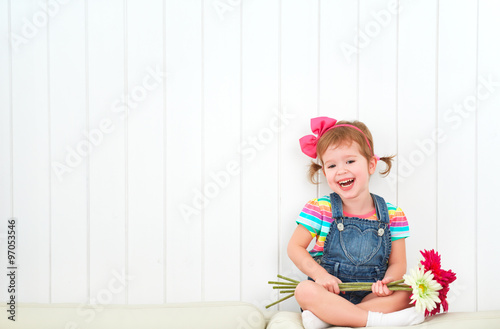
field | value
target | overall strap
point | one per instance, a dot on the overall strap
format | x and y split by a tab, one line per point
336	202
381	207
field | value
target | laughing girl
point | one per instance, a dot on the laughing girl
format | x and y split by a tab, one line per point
359	236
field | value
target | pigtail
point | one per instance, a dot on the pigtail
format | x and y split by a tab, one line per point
313	170
388	161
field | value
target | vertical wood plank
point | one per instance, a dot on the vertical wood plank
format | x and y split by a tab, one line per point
145	150
184	201
488	141
259	161
299	98
68	131
338	69
417	134
5	134
457	185
31	171
107	111
297	57
222	130
377	33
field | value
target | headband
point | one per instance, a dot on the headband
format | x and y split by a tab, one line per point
319	126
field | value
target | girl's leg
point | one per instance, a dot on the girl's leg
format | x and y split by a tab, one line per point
393	310
329	307
397	301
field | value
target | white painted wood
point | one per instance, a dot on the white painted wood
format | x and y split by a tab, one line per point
183	202
108	216
145	151
221	138
299	98
259	160
228	68
31	171
457	64
488	142
338	69
417	137
377	34
68	130
5	140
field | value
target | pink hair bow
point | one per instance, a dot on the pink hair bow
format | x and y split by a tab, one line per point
319	126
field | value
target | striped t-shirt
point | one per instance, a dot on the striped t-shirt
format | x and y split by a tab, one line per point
317	218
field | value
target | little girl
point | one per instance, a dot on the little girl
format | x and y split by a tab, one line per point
359	237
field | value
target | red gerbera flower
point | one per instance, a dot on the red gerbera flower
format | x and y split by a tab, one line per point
432	262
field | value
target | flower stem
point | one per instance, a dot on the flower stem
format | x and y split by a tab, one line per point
284	287
288	279
290	285
280	300
282	283
400	288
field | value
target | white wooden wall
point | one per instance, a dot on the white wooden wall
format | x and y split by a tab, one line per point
189	182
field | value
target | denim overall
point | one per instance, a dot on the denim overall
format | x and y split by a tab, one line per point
357	249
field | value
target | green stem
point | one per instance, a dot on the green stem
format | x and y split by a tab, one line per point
282	283
288	279
399	288
351	286
359	288
284	287
279	300
356	283
369	288
291	285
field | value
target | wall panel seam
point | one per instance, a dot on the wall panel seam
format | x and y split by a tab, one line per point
318	81
397	101
357	59
49	133
11	115
476	176
240	155
87	125
165	227
126	136
202	183
280	136
437	125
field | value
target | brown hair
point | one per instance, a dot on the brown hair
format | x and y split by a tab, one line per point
345	136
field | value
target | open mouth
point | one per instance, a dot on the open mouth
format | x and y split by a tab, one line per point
346	182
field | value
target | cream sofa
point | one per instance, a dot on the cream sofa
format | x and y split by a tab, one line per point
209	315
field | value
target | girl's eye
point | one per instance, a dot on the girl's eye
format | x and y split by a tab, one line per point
351	161
331	166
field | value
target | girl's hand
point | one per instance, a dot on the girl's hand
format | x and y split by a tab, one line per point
380	288
329	282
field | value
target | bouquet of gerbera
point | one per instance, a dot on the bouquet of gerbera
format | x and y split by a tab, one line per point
429	285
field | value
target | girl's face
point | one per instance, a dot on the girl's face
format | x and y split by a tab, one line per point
347	171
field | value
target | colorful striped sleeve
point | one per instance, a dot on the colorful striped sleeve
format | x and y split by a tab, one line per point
398	223
310	217
316	217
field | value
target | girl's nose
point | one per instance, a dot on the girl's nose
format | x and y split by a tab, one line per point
341	171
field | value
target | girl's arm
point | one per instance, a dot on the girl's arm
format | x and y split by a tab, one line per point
395	270
297	251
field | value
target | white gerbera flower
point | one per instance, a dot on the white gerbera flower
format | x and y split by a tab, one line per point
425	289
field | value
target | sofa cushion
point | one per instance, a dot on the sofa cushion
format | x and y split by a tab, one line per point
459	320
285	320
209	315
